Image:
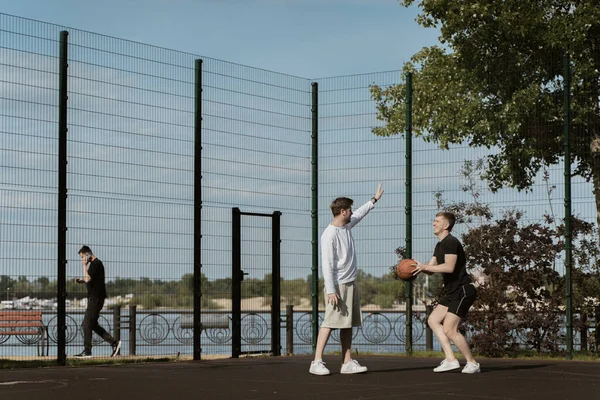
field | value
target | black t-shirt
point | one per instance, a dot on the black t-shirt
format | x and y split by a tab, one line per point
459	277
96	287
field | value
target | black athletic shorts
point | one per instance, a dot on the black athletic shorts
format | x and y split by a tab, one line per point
460	300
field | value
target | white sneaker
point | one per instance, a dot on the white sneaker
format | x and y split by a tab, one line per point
471	368
352	367
115	348
446	365
318	368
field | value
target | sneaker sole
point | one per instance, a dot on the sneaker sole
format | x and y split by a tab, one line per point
320	373
447	370
353	372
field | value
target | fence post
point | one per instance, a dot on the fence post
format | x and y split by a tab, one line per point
197	349
428	331
276	284
315	213
584	331
596	328
132	329
236	285
408	211
289	329
117	324
567	174
61	286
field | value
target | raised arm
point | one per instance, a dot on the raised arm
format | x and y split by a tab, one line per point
361	212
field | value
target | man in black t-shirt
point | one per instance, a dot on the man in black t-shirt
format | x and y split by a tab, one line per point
94	279
458	294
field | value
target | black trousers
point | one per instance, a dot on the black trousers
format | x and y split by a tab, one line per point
90	324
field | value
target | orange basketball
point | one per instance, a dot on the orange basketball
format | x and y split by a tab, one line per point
405	268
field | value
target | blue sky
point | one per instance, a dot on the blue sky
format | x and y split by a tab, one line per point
307	38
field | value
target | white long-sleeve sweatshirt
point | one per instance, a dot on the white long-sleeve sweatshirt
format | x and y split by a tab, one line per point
338	256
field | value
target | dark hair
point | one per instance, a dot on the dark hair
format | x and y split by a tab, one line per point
448	217
85	250
339	204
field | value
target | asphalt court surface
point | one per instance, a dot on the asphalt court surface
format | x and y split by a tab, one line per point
288	378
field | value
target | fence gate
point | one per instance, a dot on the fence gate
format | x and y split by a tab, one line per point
255	288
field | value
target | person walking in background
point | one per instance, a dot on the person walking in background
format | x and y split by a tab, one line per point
458	296
342	308
94	279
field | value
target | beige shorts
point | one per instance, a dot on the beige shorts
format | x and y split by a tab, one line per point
347	313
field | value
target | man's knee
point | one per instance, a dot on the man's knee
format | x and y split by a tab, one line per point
433	321
449	332
451	329
324	332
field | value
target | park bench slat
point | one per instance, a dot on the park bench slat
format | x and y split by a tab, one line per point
21	312
19	332
20	324
20	317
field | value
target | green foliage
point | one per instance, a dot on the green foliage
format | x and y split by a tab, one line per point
383	291
497	81
293	291
148	293
520	303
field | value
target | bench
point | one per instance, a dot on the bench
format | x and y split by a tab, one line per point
208	321
22	323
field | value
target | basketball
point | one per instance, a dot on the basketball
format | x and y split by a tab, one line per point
405	268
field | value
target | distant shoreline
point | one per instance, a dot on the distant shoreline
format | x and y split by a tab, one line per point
261	304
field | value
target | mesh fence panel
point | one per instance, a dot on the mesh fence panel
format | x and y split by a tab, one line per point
130	180
584	131
353	161
130	177
28	177
256	157
584	134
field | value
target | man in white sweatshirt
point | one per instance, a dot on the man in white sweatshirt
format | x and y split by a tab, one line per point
342	307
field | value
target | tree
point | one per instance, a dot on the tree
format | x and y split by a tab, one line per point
497	82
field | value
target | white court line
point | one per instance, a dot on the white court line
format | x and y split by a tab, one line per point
10	383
